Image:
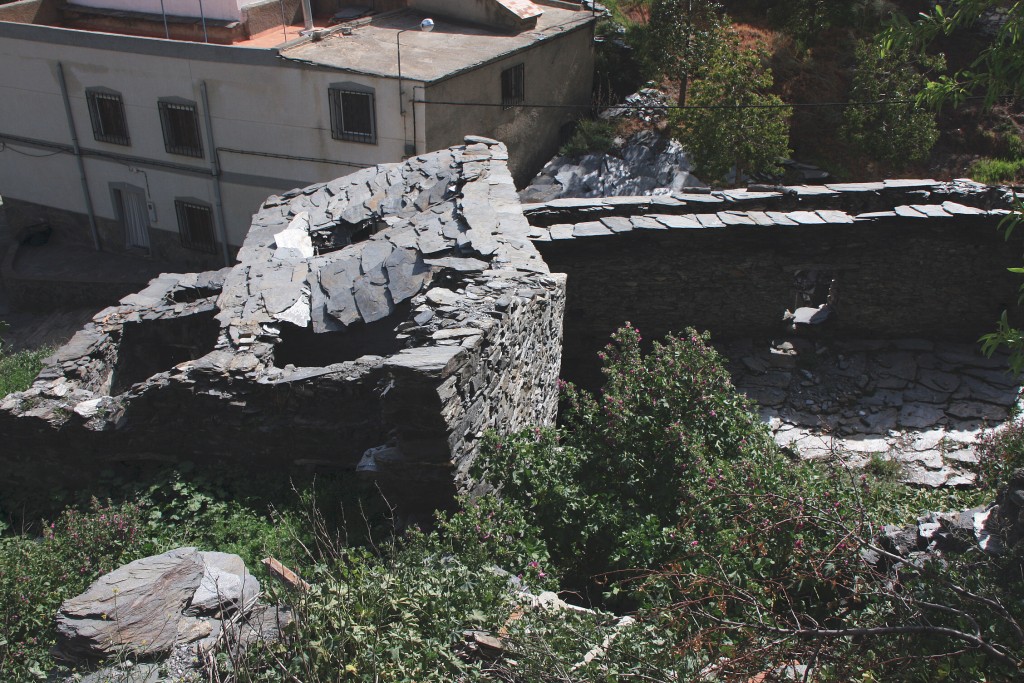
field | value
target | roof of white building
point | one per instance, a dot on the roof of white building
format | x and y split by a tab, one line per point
372	48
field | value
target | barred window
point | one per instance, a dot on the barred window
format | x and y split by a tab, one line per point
180	121
513	86
352	115
106	110
195	225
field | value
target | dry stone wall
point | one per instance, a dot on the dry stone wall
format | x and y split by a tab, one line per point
850	313
896	259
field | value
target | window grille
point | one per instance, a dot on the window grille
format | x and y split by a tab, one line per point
180	121
513	86
195	225
106	110
352	116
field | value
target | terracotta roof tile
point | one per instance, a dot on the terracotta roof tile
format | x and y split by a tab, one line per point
524	9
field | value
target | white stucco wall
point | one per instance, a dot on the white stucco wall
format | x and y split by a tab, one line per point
279	108
228	10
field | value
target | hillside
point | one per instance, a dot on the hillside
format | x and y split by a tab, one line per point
813	62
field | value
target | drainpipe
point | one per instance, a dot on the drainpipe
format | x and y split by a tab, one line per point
78	157
218	199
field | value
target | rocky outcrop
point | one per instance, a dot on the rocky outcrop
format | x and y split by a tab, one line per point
150	606
645	164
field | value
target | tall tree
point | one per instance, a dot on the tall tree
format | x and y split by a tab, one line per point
683	36
997	71
733	121
892	127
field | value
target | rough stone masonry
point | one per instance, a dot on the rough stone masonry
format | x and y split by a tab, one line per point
378	323
381	322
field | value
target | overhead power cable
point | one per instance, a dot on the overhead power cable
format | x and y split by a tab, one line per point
668	107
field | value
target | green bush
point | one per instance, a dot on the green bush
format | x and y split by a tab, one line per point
18	370
608	492
734	121
667	493
1000	453
998	171
591	136
891	127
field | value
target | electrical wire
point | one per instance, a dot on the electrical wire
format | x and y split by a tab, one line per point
4	147
668	107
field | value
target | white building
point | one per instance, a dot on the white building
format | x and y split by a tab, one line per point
118	128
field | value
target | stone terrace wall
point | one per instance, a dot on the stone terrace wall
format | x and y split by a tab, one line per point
907	261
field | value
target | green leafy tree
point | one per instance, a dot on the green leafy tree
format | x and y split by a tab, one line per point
733	121
805	20
892	127
997	71
684	35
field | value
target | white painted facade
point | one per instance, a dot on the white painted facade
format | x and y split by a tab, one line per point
227	10
269	120
271	125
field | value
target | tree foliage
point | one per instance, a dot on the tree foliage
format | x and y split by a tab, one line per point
683	37
891	126
998	69
733	121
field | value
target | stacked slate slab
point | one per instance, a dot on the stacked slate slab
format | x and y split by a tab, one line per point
379	323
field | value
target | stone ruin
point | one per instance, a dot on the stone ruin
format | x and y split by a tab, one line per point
381	322
376	323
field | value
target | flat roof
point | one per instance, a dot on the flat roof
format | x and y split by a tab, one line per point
450	48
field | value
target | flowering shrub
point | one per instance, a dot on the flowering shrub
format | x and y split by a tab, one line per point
1000	453
36	575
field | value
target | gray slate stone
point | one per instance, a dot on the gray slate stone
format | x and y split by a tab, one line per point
134	609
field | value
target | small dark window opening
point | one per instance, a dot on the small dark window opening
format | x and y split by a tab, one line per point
195	225
302	347
153	346
352	116
340	236
106	110
180	122
513	86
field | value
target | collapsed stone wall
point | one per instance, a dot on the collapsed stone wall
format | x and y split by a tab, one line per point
379	323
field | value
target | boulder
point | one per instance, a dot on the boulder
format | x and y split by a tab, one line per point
136	608
147	607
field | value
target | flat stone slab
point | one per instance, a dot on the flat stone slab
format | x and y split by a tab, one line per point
919	402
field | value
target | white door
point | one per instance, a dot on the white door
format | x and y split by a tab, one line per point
135	217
